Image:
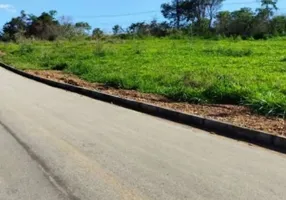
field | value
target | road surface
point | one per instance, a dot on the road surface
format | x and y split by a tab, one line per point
59	145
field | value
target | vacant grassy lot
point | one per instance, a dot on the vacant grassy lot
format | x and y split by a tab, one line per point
251	73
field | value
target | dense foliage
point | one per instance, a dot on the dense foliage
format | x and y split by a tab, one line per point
202	17
231	71
184	18
44	27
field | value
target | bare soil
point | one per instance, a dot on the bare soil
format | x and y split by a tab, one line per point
238	115
2	54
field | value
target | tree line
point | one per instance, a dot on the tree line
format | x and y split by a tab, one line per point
205	18
183	17
44	27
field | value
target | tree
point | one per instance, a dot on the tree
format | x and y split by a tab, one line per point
201	16
198	12
16	26
241	22
117	30
83	27
222	23
270	6
212	8
140	29
45	26
97	33
158	29
261	24
278	25
201	28
66	29
174	12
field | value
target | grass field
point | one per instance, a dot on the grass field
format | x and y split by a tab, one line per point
251	73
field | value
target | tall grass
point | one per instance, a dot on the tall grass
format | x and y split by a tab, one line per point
251	73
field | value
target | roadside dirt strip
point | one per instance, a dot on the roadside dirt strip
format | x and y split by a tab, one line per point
238	115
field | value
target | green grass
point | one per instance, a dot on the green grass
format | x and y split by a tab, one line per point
251	73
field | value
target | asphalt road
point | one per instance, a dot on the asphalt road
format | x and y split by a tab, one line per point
59	145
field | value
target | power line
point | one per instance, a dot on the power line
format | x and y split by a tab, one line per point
240	3
121	15
155	11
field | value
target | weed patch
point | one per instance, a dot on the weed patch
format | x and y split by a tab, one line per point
229	52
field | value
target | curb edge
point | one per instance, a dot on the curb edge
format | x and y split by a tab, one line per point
259	138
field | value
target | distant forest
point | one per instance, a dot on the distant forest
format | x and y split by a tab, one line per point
202	18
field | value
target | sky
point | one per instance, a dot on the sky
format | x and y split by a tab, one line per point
105	14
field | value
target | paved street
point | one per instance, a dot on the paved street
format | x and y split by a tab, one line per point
59	145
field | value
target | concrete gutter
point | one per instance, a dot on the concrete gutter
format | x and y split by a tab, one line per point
260	138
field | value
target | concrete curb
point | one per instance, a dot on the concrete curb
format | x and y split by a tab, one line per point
224	129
